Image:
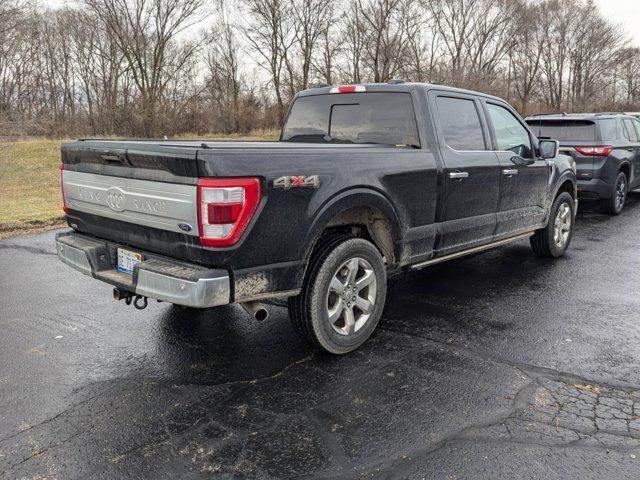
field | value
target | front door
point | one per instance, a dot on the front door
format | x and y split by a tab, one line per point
523	187
471	173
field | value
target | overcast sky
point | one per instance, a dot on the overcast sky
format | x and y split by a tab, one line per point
626	12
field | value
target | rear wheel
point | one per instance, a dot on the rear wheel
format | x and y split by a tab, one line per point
342	296
615	204
553	240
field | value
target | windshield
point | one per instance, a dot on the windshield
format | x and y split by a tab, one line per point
564	130
381	118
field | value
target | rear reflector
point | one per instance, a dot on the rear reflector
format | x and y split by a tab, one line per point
349	89
64	200
595	151
225	208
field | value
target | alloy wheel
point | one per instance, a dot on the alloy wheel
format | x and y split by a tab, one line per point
351	296
562	225
621	193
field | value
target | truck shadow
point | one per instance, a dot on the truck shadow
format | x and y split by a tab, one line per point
479	296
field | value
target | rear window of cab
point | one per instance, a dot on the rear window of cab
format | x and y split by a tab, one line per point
386	118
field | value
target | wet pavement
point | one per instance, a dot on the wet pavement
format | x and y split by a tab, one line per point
500	365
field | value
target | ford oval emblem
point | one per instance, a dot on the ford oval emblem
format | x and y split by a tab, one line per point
115	199
185	227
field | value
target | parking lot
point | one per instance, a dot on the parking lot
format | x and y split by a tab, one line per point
498	365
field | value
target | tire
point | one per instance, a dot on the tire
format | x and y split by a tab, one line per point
321	313
615	204
553	240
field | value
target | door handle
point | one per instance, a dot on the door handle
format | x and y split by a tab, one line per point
510	171
458	175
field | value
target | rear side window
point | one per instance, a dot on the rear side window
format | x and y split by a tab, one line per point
608	129
629	130
374	117
461	123
511	135
564	130
636	124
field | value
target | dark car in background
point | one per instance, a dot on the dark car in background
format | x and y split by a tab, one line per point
606	149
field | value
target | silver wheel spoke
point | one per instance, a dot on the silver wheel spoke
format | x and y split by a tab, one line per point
352	268
335	312
364	305
349	321
365	280
336	285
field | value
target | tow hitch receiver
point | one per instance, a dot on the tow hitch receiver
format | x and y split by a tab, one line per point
139	301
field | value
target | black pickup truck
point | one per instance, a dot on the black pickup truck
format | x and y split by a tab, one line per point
366	181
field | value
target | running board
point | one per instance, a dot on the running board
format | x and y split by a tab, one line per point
471	251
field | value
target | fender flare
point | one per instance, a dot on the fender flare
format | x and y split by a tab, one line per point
346	200
566	176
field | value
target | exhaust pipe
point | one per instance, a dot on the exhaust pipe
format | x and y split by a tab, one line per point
256	310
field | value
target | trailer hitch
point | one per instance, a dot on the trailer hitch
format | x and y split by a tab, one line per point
139	301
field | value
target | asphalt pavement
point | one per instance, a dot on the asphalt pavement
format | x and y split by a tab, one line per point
500	365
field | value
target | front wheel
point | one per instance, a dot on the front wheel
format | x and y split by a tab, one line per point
342	296
553	240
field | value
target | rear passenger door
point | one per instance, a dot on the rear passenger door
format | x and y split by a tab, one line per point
631	129
524	177
471	172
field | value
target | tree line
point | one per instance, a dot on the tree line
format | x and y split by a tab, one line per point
166	67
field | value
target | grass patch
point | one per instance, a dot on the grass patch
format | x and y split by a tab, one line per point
30	185
30	181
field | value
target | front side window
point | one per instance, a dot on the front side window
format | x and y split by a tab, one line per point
608	129
381	118
460	123
511	135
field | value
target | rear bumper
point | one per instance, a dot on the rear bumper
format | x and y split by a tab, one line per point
594	189
155	277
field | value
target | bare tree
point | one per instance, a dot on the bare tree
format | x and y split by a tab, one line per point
143	67
628	62
269	32
526	55
313	18
224	82
145	31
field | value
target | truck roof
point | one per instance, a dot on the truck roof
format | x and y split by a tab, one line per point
398	87
576	116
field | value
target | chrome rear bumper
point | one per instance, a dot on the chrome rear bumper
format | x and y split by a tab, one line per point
155	277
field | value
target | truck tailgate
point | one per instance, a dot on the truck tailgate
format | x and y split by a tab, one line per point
138	193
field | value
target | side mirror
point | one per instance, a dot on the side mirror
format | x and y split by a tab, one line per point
521	161
549	148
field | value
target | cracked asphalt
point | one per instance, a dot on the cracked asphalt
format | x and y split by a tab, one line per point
500	365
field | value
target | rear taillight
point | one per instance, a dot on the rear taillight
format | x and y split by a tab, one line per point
595	151
64	201
225	208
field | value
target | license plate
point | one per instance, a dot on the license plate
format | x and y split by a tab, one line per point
127	260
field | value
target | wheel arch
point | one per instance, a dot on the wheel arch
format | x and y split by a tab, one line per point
625	167
362	208
568	185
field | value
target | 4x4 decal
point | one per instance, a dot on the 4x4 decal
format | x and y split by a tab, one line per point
297	181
